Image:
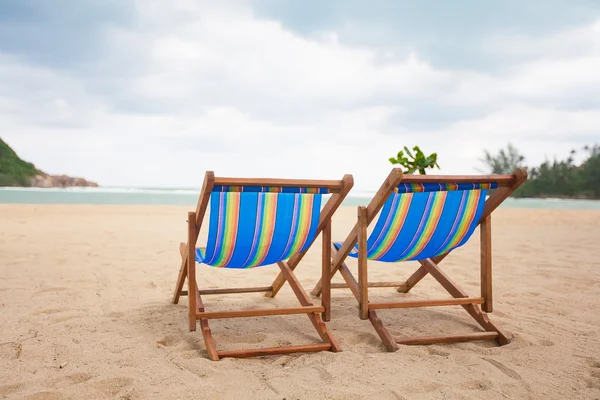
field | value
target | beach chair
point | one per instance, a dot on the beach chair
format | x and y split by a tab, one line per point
424	218
257	222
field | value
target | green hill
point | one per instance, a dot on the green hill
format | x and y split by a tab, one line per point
13	170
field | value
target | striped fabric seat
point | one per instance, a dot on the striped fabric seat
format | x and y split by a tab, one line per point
252	226
420	221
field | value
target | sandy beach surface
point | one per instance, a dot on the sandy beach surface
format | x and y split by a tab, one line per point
85	313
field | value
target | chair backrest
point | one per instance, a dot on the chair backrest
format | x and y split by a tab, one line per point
423	220
252	226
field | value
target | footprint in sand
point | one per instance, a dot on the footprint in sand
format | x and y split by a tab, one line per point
50	311
593	381
69	380
52	289
53	311
9	351
10	389
169	340
114	386
318	373
422	387
193	353
185	347
65	319
504	369
594	364
437	352
78	378
47	396
545	342
480	384
115	314
364	338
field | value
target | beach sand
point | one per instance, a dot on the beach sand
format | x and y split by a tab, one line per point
85	313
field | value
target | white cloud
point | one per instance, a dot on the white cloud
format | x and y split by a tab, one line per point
539	133
576	42
557	79
210	86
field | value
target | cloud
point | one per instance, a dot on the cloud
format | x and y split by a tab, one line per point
164	94
449	36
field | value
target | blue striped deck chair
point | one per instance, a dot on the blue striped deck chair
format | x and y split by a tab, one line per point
254	223
423	218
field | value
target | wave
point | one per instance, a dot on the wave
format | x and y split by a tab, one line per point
141	190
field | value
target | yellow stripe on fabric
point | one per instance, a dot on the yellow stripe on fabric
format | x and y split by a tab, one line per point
468	216
268	216
230	228
433	218
395	226
304	220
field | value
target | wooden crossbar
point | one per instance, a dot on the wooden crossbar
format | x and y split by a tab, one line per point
267	351
467	337
427	303
259	313
333	186
501	180
371	285
231	290
236	290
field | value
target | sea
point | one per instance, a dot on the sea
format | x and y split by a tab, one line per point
189	197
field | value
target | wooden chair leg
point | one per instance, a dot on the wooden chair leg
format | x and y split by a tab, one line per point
191	271
486	264
384	334
196	303
304	300
209	341
363	293
182	273
325	275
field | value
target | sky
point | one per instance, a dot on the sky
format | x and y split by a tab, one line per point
154	93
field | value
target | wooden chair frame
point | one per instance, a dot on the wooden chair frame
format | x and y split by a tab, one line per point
506	185
339	190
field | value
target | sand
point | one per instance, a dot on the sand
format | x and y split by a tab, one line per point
85	313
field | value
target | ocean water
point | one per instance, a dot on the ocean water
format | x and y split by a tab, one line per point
189	197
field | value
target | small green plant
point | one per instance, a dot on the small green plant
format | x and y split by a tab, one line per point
417	162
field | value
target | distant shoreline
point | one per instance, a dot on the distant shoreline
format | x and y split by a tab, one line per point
189	197
175	190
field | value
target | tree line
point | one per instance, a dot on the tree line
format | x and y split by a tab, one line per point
556	178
